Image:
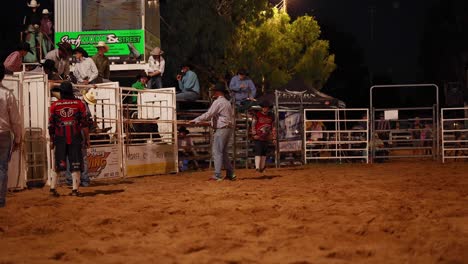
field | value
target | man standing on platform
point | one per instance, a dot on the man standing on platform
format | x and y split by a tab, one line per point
10	123
221	115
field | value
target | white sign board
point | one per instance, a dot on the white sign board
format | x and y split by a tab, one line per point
103	162
391	114
150	159
290	146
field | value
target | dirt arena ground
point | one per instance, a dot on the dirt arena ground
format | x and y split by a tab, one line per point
399	212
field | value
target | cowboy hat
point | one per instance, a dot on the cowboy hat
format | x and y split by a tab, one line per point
265	103
183	129
82	51
219	87
157	51
89	96
26	47
50	65
46	11
34	4
102	44
66	47
66	88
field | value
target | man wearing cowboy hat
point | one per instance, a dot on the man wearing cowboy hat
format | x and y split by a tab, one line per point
33	18
47	31
102	62
188	84
156	68
61	57
221	115
14	61
85	70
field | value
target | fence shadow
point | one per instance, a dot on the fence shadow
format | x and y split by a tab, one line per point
263	177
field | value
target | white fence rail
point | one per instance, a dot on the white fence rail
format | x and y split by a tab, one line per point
454	125
336	134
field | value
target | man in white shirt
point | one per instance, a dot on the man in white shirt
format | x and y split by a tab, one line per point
10	123
85	70
156	68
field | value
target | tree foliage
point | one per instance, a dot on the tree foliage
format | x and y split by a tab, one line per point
277	49
220	36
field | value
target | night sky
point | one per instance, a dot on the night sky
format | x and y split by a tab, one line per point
397	27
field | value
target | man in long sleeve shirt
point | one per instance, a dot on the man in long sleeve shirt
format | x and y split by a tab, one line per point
61	58
243	89
85	70
10	122
188	84
221	115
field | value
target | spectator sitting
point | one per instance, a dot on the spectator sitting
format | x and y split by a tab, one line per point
186	149
85	70
140	84
243	89
188	84
102	62
14	61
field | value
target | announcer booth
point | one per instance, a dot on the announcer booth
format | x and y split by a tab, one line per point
291	100
28	166
150	131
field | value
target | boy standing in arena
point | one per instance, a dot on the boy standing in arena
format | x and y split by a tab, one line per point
263	131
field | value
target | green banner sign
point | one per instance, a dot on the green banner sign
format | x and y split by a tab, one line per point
124	45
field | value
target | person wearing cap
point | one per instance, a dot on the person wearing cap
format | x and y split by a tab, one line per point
186	148
68	127
188	84
263	131
102	62
221	115
47	30
10	125
243	89
14	61
156	68
85	70
33	17
140	84
48	67
61	57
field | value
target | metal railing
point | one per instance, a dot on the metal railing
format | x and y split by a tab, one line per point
336	134
454	132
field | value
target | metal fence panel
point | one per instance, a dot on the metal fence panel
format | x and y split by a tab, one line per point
336	134
454	133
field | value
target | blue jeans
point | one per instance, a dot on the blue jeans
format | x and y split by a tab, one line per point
84	178
220	151
155	82
187	96
5	148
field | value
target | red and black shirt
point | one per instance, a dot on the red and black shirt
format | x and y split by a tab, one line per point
67	118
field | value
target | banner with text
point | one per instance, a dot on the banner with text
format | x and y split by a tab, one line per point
150	159
103	162
124	45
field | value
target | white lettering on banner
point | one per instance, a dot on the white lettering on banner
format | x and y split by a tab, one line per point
288	146
150	159
103	162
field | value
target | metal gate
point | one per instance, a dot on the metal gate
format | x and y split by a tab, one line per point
336	134
454	126
405	132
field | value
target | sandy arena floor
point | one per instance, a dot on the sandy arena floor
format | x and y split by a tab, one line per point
401	212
